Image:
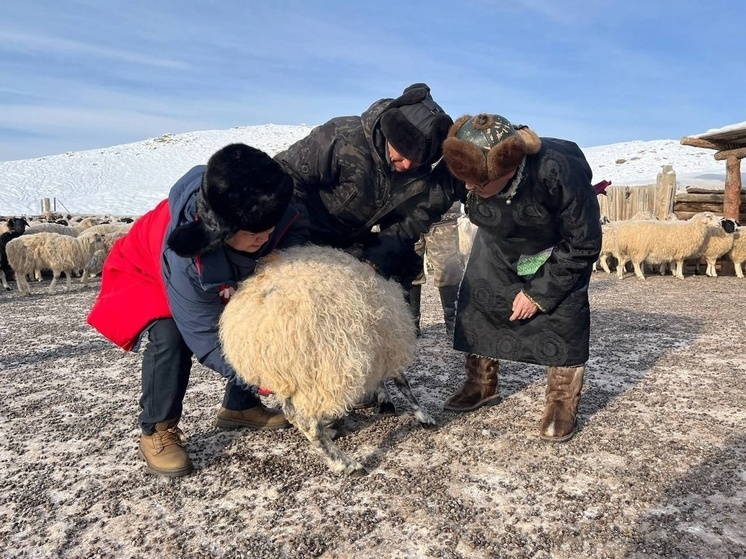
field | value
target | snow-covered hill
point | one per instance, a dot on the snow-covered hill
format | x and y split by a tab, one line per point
130	179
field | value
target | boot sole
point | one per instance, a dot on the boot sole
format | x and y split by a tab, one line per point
491	401
229	424
562	439
557	439
165	473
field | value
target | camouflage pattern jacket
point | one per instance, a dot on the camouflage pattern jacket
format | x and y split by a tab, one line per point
345	183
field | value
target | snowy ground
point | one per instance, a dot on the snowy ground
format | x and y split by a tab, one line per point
658	468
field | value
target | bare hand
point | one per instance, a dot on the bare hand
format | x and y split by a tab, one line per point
523	308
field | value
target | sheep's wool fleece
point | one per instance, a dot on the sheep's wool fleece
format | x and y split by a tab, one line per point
316	325
549	212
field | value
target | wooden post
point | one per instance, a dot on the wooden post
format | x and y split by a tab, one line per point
732	199
665	192
45	205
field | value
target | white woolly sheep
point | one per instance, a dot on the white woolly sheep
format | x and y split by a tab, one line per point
105	228
24	257
96	263
85	223
738	251
609	245
52	228
320	329
60	253
717	244
658	242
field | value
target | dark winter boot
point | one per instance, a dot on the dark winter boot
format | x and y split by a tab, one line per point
163	451
480	388
448	296
413	299
562	399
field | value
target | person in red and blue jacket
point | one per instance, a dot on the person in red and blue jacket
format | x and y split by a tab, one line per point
165	283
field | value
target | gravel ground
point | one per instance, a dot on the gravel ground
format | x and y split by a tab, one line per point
657	468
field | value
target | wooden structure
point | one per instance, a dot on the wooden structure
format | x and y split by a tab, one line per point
623	202
697	200
729	144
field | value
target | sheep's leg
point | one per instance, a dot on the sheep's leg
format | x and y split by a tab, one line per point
419	412
317	433
37	275
620	267
55	276
22	283
679	269
5	283
383	399
739	269
68	275
711	271
604	261
638	270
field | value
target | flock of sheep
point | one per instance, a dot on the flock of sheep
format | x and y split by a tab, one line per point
672	242
28	248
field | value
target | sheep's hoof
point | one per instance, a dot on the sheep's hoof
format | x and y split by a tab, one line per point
359	472
7	289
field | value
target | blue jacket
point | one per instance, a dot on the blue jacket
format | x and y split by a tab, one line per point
193	285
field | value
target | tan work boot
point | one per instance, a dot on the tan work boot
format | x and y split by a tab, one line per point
562	400
163	451
480	387
260	418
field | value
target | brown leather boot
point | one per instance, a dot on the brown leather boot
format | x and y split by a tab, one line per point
480	387
259	418
163	451
562	400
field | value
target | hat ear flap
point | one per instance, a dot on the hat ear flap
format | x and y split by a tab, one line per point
465	160
440	130
530	138
192	238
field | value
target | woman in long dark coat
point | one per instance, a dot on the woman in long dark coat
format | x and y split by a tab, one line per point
524	295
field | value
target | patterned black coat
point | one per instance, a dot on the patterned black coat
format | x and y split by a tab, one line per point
549	211
345	184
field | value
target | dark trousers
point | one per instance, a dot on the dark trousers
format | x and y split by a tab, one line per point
166	366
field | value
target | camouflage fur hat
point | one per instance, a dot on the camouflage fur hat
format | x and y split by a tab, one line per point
242	188
485	147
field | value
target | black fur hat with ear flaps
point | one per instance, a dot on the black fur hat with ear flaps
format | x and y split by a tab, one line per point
486	147
242	188
415	125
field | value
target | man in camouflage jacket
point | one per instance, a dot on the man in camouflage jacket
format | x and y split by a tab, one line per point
374	182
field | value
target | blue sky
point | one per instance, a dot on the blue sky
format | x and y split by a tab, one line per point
79	75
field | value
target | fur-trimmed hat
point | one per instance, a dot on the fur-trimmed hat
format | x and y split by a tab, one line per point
242	188
415	125
486	147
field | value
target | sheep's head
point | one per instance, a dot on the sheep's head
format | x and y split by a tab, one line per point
729	225
17	224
